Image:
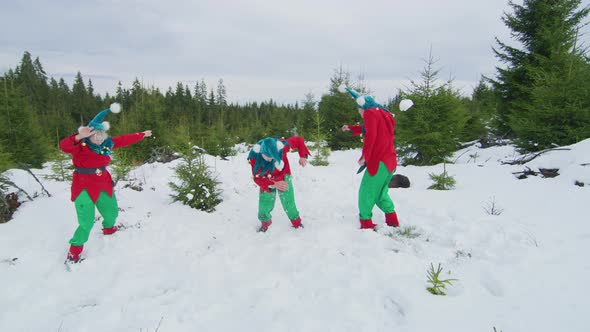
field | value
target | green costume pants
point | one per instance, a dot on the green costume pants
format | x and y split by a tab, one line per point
375	190
266	202
85	207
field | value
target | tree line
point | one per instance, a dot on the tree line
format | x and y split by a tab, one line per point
538	98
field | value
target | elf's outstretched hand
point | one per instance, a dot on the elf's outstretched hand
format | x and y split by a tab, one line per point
147	133
302	162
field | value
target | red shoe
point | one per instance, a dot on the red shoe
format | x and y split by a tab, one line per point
391	219
296	223
367	224
74	253
109	231
264	226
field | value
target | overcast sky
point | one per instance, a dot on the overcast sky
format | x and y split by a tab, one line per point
261	49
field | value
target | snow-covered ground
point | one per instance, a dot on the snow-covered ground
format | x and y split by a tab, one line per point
179	269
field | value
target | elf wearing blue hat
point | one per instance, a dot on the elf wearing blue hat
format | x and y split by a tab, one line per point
92	185
272	173
378	156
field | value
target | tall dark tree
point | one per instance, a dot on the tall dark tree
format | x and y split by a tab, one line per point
83	108
221	95
308	123
32	79
547	32
211	106
482	110
21	136
336	109
59	122
559	109
221	102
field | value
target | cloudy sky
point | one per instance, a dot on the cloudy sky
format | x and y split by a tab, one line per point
261	49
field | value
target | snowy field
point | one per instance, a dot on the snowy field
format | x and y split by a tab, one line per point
179	269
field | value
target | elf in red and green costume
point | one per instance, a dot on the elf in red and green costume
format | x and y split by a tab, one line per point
92	185
378	156
272	173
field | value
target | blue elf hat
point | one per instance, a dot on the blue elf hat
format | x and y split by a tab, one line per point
363	101
97	122
271	147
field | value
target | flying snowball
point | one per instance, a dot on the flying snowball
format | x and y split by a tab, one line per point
405	104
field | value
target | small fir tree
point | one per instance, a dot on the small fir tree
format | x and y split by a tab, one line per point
320	150
442	181
197	187
220	142
438	285
429	132
61	167
121	165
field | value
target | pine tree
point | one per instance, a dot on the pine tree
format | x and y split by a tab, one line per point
482	111
32	80
59	122
211	106
6	163
201	95
83	108
559	109
547	62
337	109
22	136
221	96
320	149
61	166
196	186
6	160
428	132
308	121
121	165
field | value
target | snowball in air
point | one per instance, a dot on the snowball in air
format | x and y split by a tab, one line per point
115	107
405	104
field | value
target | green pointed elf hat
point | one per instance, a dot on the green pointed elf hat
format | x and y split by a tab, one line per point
97	122
363	101
271	147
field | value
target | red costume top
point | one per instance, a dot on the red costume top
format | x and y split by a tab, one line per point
378	139
83	157
265	180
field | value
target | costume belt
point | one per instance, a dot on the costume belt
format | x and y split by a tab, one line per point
98	170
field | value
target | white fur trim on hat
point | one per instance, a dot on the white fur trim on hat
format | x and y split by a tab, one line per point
280	145
256	148
106	125
342	88
279	165
361	101
115	107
